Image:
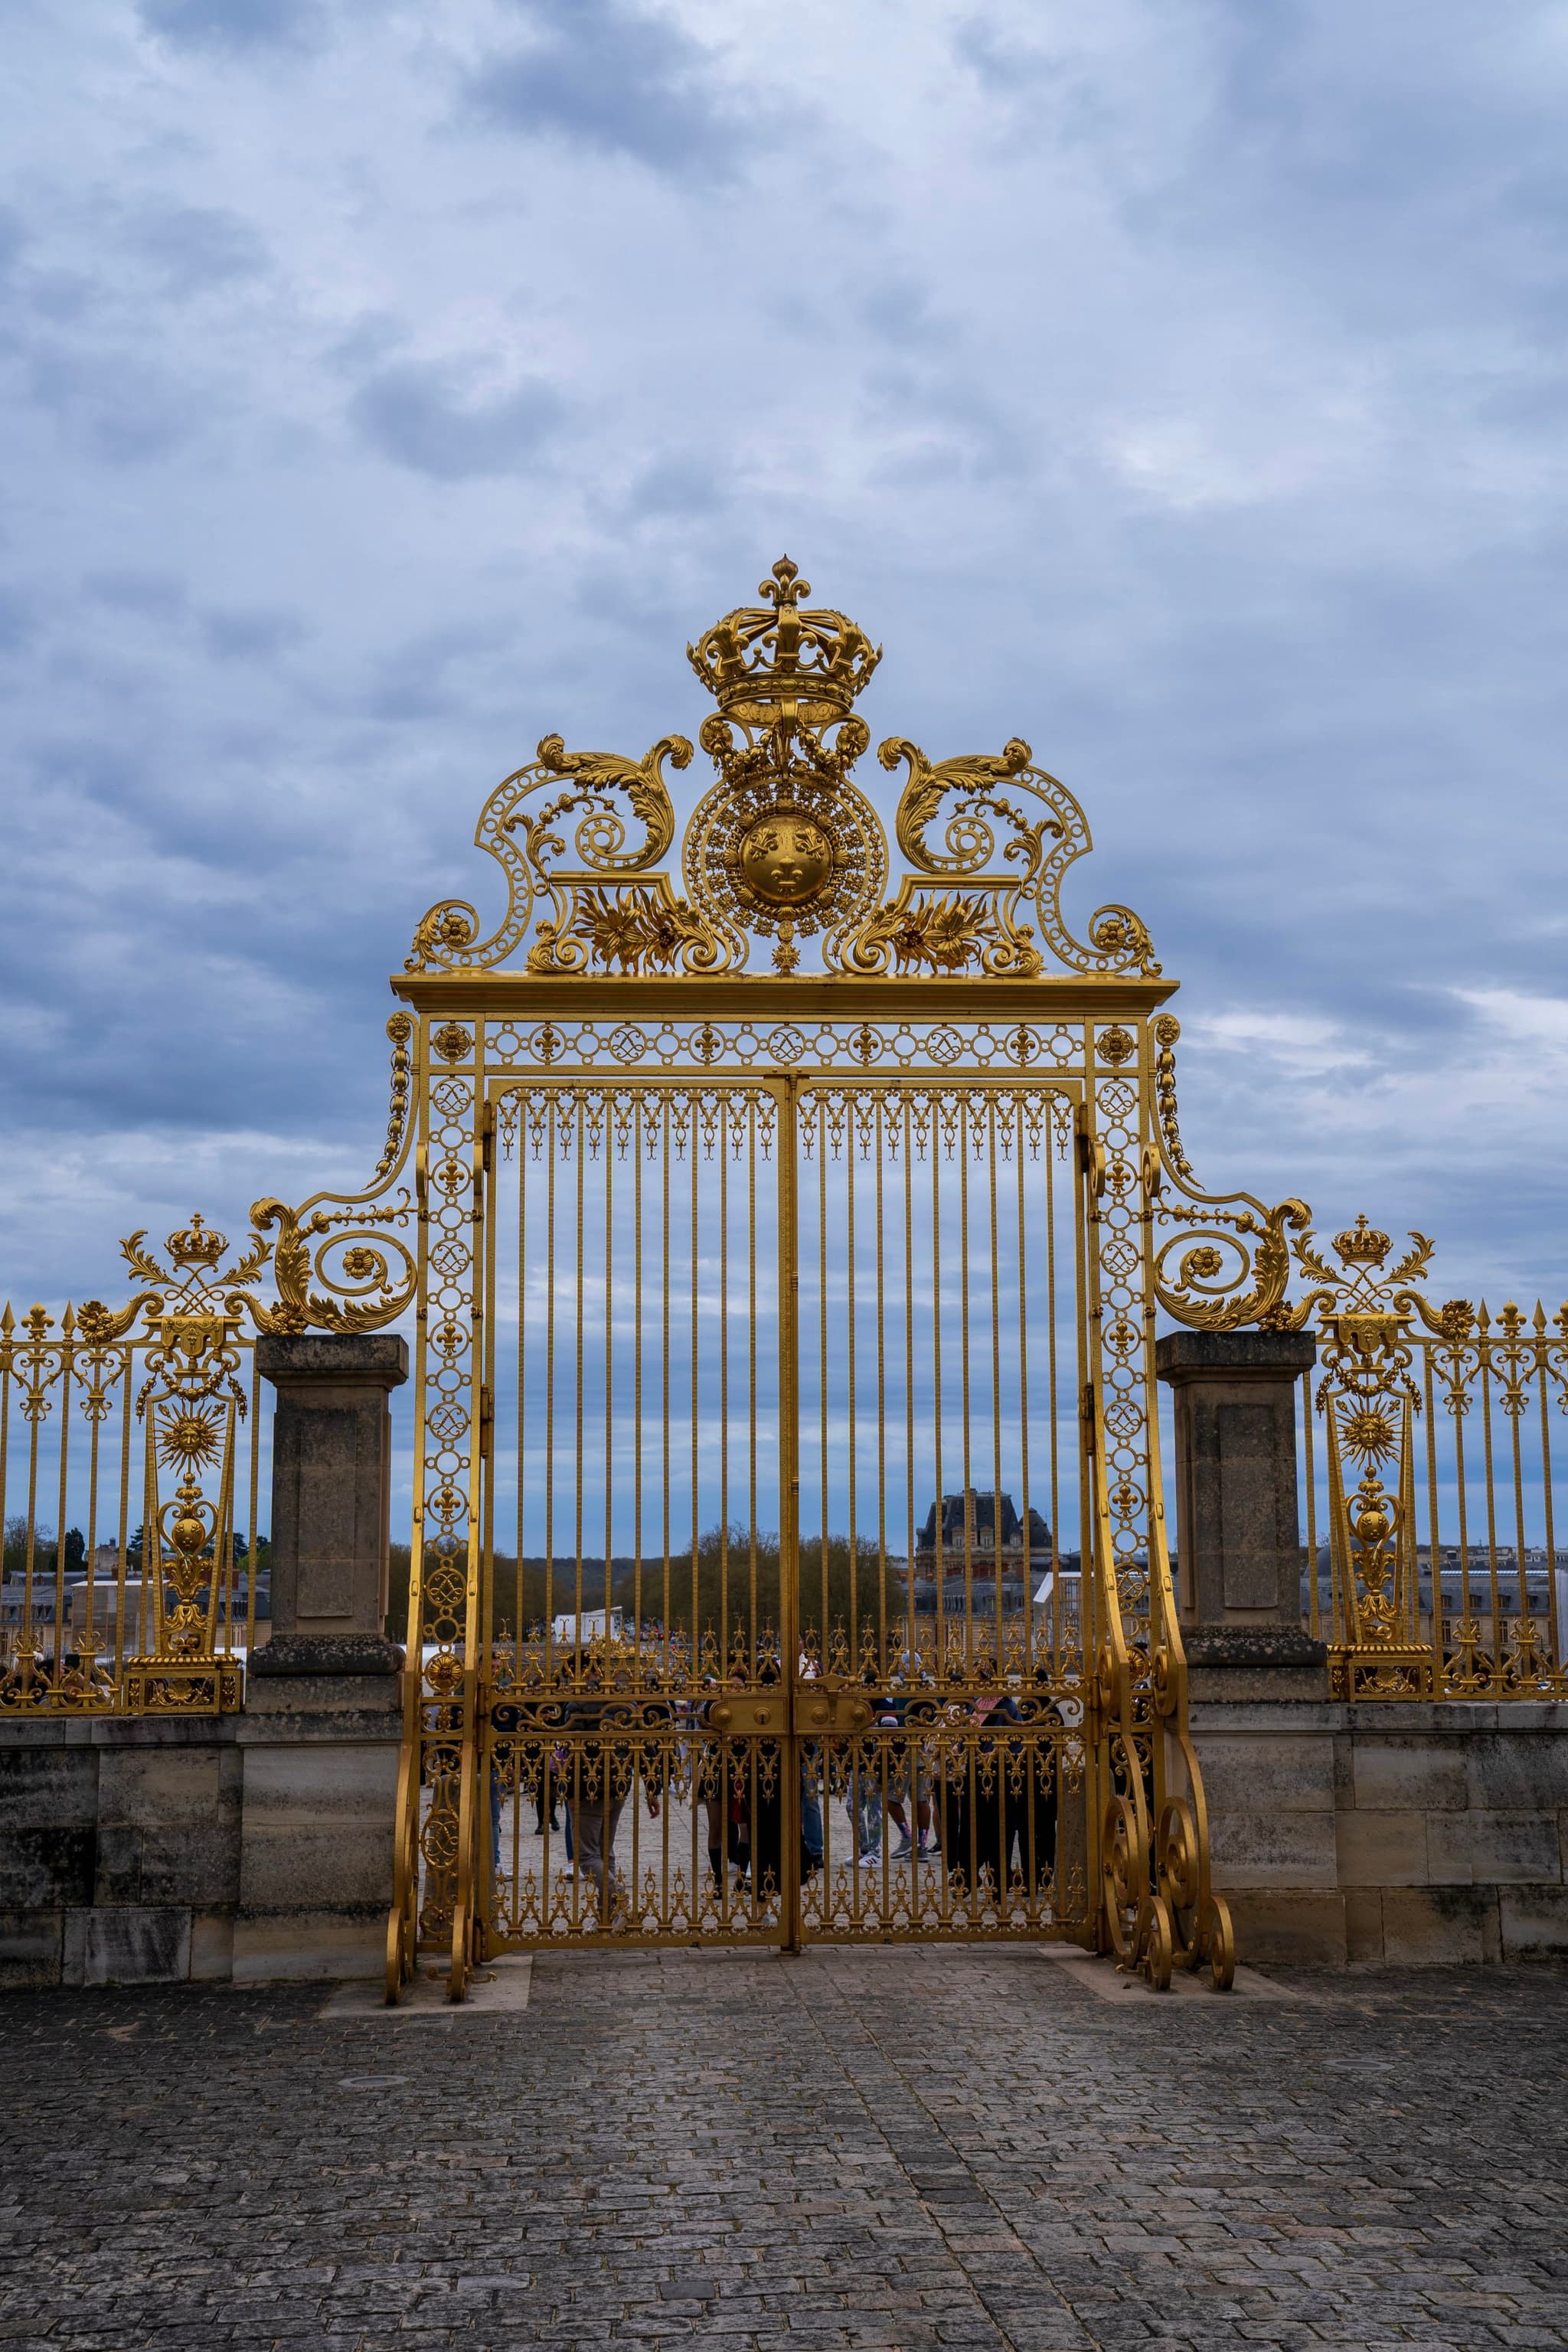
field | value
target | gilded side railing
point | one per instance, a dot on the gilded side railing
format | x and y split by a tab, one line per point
134	1470
131	1443
1429	1433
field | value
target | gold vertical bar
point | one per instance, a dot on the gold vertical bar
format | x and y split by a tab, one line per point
523	1122
151	1548
696	1678
469	1911
1311	1481
30	1569
1499	1634
6	1652
821	1118
963	1370
693	1110
550	1146
940	1563
1342	1600
1053	1401
1093	1614
878	1147
636	1372
125	1517
122	1565
67	1374
664	1395
1551	1608
1020	1132
907	1142
521	1630
1409	1566
484	1409
255	1510
89	1587
402	1940
724	1391
1434	1538
580	1381
611	1139
1461	1498
1520	1400
5	1376
220	1607
751	1357
996	1368
784	1092
852	1535
486	1355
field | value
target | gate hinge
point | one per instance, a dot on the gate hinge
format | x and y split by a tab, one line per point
1091	1159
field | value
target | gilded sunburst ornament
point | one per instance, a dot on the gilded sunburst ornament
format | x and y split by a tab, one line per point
190	1435
1370	1434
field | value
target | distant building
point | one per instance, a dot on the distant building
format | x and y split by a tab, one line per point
976	1545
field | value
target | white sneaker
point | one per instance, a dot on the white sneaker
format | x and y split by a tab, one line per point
871	1857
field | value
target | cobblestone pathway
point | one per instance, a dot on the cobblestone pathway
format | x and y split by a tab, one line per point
891	2148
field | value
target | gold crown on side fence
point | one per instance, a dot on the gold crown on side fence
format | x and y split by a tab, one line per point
1361	1245
773	661
196	1243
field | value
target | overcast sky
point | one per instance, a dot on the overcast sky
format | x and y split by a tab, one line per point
1179	386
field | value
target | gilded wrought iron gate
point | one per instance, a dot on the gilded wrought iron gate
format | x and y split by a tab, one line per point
844	1665
789	1557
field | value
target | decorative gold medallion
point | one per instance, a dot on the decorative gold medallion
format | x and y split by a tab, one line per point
784	858
784	843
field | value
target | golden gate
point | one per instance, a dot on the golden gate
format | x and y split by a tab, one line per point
790	1557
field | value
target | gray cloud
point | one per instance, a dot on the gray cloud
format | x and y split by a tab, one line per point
609	76
425	415
257	636
126	409
193	247
233	25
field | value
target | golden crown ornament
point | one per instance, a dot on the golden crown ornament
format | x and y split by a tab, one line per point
772	661
196	1243
783	845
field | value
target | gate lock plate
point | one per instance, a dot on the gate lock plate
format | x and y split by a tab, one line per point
817	1713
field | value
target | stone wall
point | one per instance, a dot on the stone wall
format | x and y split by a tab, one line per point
1400	1833
246	1847
223	1848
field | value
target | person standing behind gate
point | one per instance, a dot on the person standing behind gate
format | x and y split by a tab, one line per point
602	1773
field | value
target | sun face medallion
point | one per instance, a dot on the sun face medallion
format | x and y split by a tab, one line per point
784	859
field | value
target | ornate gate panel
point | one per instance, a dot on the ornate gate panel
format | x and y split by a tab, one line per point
633	1691
940	1341
788	1522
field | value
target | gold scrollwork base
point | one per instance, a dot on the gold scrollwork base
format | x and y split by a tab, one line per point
182	1686
1381	1670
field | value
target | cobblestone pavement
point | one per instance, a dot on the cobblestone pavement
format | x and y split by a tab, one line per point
892	2147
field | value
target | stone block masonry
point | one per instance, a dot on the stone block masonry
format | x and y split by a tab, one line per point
156	1850
1424	1832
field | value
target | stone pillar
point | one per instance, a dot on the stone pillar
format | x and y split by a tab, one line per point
331	1480
1238	1539
1261	1722
322	1730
